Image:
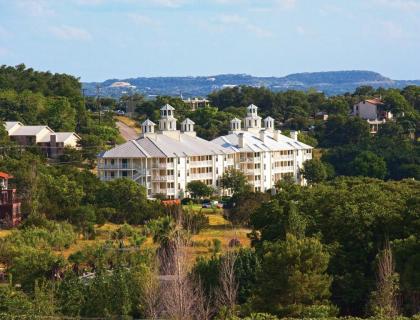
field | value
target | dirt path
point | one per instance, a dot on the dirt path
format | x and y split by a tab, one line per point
128	133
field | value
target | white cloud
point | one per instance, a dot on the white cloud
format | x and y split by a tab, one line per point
37	8
71	33
143	20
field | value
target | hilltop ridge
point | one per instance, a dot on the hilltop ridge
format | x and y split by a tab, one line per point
330	82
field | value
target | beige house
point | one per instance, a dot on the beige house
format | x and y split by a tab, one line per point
52	143
373	112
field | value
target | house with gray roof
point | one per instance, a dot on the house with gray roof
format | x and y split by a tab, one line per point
51	143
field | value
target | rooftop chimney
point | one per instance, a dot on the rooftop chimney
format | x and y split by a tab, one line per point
241	140
276	135
294	135
262	135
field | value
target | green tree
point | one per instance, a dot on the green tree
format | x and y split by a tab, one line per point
293	277
315	171
368	164
235	180
199	189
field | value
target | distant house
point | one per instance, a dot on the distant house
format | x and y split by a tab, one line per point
52	143
10	215
196	103
372	110
321	115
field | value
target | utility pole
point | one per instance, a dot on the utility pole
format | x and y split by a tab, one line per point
98	102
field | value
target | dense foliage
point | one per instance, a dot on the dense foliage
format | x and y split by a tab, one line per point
314	249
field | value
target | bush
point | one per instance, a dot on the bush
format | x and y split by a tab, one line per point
195	222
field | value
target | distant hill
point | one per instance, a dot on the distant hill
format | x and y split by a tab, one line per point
330	82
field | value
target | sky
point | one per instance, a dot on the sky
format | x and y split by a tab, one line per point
117	39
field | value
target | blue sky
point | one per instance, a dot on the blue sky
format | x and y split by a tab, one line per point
102	39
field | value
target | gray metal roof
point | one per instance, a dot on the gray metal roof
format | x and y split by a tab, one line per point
148	122
60	136
29	130
253	143
162	145
167	107
10	124
187	121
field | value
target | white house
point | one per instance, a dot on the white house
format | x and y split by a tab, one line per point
166	160
373	112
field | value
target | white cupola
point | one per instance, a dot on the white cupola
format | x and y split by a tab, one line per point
252	120
187	125
148	126
167	121
269	123
235	124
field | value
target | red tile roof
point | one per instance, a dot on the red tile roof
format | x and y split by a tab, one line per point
374	101
5	175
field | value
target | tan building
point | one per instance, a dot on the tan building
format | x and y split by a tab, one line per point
52	143
197	103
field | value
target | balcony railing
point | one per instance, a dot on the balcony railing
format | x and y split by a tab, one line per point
207	163
163	178
253	160
251	171
284	157
170	191
167	165
199	176
283	169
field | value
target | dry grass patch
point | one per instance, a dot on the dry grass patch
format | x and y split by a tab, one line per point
129	122
5	233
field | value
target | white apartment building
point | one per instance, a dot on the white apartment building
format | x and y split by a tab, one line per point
166	160
264	155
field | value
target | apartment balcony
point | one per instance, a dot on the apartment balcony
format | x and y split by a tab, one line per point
251	171
256	183
195	164
229	162
163	178
284	157
112	166
169	165
167	191
201	176
250	160
283	169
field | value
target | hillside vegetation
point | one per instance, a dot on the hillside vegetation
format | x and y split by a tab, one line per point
345	245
